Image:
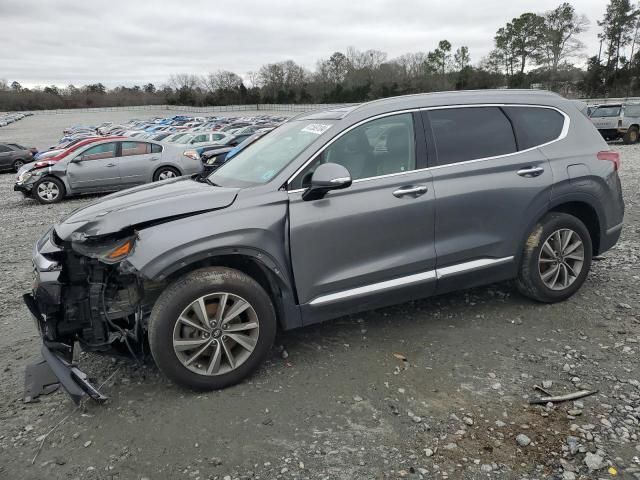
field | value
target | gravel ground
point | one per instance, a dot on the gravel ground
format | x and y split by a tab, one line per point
436	388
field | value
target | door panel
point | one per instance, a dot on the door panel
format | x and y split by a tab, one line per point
136	166
6	156
361	236
483	206
94	174
94	169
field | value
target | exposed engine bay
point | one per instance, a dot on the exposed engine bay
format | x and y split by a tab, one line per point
92	300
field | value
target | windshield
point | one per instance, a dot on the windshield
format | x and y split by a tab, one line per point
263	160
184	139
613	111
176	136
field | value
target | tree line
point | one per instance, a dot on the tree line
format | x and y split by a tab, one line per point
534	50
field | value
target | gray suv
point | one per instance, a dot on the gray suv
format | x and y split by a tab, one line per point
334	212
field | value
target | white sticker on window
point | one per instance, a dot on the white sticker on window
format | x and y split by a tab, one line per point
316	128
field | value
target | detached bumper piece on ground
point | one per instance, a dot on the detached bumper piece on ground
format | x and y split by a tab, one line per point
44	376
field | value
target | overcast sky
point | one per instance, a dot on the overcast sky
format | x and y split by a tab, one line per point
132	42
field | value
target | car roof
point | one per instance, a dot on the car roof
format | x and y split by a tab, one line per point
426	100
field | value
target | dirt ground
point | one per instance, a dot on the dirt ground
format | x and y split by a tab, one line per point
437	388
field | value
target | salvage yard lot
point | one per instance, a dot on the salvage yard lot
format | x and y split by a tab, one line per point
429	389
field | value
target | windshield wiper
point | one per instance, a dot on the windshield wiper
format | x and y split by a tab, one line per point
210	182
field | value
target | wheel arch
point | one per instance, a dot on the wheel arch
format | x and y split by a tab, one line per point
256	264
581	206
67	189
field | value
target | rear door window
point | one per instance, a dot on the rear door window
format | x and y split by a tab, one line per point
535	126
471	133
134	148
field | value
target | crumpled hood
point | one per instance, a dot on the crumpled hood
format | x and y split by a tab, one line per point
142	205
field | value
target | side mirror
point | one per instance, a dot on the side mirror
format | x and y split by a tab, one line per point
327	177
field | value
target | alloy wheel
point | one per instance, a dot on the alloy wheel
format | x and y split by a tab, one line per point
216	334
166	174
48	191
561	259
18	164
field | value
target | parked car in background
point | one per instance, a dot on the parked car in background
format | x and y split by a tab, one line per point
104	166
332	213
9	118
618	121
13	156
194	139
215	158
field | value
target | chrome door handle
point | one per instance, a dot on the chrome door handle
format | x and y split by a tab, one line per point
153	159
531	172
416	190
110	165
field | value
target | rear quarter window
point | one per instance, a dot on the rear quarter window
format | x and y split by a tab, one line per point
535	126
471	133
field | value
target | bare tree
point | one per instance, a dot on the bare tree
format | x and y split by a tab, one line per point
559	42
183	81
222	80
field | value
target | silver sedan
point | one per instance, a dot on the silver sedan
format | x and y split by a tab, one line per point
104	166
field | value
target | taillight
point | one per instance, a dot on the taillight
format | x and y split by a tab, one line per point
610	157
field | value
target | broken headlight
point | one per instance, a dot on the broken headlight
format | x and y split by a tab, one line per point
107	251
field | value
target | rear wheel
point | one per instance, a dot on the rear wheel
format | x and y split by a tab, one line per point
17	164
556	259
164	173
631	136
48	190
211	328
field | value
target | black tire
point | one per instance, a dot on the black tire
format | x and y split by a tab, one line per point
164	170
179	295
47	199
631	136
529	281
17	164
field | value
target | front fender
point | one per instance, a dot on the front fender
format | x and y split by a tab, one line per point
254	227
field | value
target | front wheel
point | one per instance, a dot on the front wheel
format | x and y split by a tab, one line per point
48	190
556	258
211	328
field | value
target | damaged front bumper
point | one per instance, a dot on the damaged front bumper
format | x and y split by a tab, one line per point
57	365
82	300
